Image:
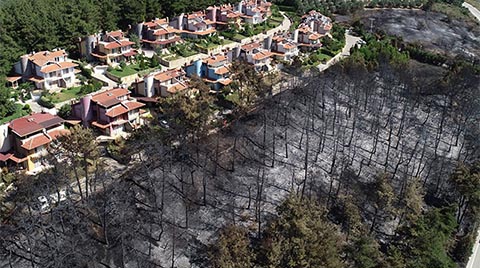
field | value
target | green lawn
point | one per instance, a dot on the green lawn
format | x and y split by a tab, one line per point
170	57
238	37
18	113
278	19
128	70
66	94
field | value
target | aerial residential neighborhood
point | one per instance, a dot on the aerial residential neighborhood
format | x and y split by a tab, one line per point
239	134
114	111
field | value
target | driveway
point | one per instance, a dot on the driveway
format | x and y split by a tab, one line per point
475	12
350	41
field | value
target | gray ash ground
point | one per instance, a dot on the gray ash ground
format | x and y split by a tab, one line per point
355	126
433	30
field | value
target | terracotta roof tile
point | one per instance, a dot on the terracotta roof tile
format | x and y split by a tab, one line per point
36	142
251	46
12	79
222	70
215	59
110	97
167	75
123	43
32	123
57	66
42	57
262	55
177	88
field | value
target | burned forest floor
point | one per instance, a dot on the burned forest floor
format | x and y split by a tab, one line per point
325	136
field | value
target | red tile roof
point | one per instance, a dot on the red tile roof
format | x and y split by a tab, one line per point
262	55
57	66
165	30
132	105
167	75
36	79
108	97
124	107
118	44
116	111
116	34
222	70
215	59
130	53
35	142
36	122
251	46
177	88
42	57
155	23
12	79
5	157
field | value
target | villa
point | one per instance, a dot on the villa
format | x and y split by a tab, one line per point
158	34
29	138
194	25
256	55
314	26
213	70
224	16
255	11
46	69
162	84
112	112
110	48
284	48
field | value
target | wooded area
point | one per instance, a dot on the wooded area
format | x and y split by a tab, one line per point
370	164
367	156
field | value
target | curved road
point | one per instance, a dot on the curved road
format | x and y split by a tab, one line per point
475	12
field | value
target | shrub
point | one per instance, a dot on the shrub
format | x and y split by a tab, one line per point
46	102
65	111
27	108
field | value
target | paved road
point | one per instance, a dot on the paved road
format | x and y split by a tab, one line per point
474	261
475	12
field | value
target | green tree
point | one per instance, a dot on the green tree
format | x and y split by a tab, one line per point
364	252
300	236
7	106
426	243
232	249
382	199
65	111
190	112
80	149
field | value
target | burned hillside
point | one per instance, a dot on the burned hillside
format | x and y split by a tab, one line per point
327	136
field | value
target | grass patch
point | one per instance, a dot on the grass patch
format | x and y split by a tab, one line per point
207	45
238	37
171	57
19	112
66	94
276	18
126	71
